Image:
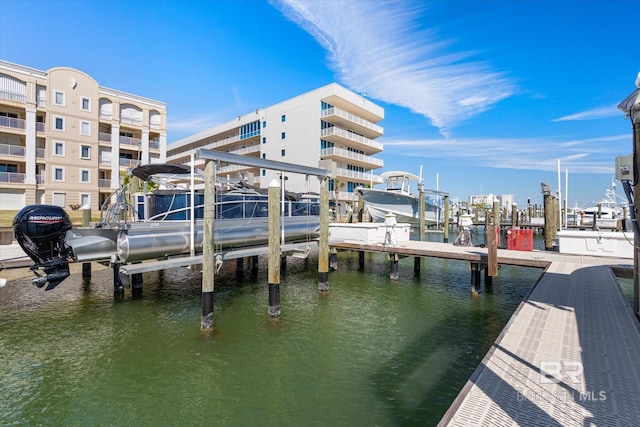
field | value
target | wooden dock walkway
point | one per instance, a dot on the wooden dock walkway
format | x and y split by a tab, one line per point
569	355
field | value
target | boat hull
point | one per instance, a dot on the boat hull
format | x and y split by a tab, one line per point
405	207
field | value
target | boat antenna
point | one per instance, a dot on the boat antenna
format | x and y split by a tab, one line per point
420	180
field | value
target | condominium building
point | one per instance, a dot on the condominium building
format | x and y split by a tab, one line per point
66	140
330	122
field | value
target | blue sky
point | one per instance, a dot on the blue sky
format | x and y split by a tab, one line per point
485	95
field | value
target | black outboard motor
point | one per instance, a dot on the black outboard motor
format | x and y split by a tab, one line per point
40	230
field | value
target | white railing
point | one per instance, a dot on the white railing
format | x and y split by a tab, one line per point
10	122
42	102
40	153
210	146
40	126
131	120
334	111
247	150
105	160
104	136
12	96
11	177
39	179
334	151
104	183
154	145
130	163
359	176
233	168
127	140
352	136
12	150
343	195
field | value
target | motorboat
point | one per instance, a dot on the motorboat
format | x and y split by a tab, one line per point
397	199
157	225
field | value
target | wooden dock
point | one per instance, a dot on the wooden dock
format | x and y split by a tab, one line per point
569	355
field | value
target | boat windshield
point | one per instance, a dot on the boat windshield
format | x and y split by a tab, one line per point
397	183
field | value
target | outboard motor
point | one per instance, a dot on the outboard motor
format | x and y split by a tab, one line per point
40	230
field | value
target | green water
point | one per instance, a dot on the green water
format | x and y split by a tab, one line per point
369	352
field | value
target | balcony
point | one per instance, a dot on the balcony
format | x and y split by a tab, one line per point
40	153
39	179
104	183
12	150
343	118
154	145
233	168
127	140
104	136
182	155
12	96
105	160
129	163
41	102
12	177
247	150
351	139
10	122
40	127
350	157
131	120
366	177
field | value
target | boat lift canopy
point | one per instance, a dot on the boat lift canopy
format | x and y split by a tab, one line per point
261	163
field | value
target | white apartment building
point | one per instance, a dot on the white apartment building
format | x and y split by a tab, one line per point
66	140
330	122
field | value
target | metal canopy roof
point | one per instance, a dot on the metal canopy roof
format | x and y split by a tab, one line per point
260	163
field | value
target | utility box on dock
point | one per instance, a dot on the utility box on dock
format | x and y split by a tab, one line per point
520	239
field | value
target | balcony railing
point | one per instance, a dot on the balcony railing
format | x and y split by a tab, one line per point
104	136
10	122
131	120
42	102
40	126
12	177
359	176
129	163
233	168
351	136
105	160
127	140
104	183
154	145
333	111
39	179
363	158
210	146
40	153
12	96
12	150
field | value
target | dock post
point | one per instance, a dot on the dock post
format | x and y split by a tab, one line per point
421	225
86	222
496	219
475	279
117	281
254	263
550	217
333	259
323	244
488	280
394	275
492	247
208	248
360	260
514	215
274	249
446	219
239	265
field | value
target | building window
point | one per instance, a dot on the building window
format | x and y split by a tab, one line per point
264	155
264	124
85	152
58	174
8	167
59	199
85	103
85	128
58	148
85	200
282	152
284	118
283	135
264	139
85	176
264	172
59	123
58	97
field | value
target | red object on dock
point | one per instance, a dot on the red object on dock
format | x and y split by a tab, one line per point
520	239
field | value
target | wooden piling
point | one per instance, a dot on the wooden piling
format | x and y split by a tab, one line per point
394	261
514	215
208	248
496	219
421	225
361	260
550	220
492	248
86	222
323	243
446	219
274	249
475	278
333	259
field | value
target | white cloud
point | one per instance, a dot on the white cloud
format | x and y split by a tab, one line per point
594	155
595	114
376	48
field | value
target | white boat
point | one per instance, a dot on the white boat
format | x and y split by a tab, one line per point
398	200
607	211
